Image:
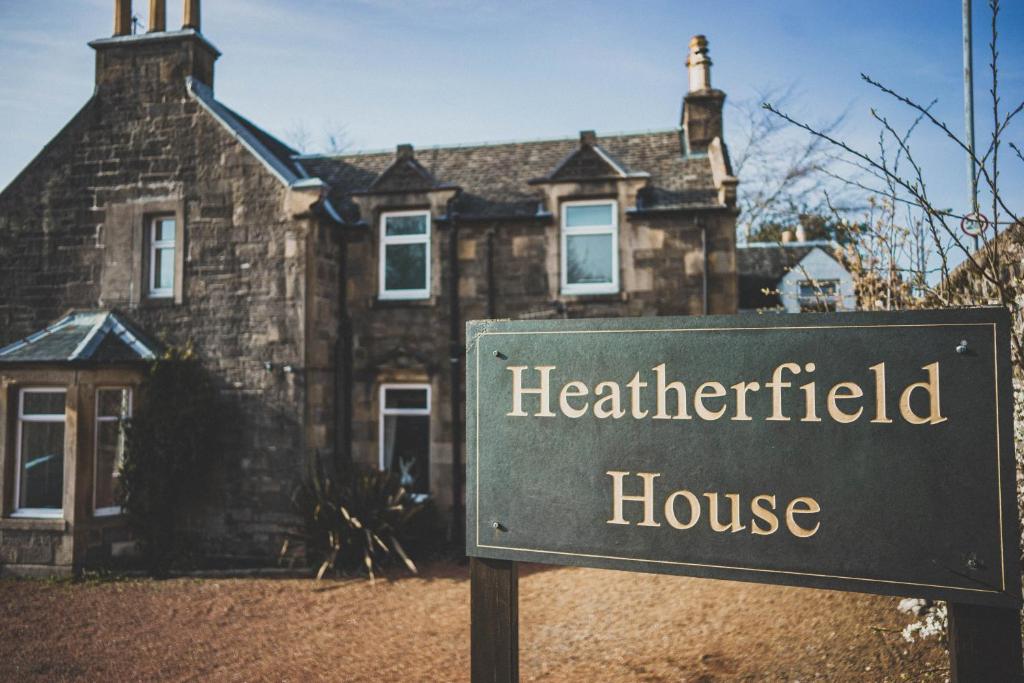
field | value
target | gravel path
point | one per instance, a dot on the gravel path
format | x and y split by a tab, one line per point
576	625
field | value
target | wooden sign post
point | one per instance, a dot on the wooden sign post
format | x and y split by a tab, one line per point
868	452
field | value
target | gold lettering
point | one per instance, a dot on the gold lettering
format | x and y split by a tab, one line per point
573	390
777	385
670	510
647	498
734	522
932	387
810	398
834	396
708	390
661	413
741	390
880	413
616	410
810	507
635	385
765	515
518	391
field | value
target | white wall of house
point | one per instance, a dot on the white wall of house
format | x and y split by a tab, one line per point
819	268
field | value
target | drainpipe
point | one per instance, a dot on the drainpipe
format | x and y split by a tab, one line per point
455	351
492	293
343	363
704	269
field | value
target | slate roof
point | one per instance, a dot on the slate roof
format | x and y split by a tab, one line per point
97	336
762	266
495	178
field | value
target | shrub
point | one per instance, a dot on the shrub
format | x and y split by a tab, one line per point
170	444
358	518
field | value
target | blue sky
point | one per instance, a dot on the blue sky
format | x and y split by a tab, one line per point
447	71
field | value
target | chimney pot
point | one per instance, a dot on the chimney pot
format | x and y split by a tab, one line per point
122	17
801	234
157	16
191	19
699	64
787	236
588	138
404	151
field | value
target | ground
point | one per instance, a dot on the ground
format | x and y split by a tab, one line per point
576	625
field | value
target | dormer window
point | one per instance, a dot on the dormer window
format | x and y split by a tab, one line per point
590	247
162	245
405	255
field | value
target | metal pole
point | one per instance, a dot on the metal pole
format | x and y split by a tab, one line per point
972	175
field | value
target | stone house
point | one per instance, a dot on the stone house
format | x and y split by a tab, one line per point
327	295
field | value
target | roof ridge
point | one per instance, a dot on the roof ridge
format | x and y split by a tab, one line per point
490	143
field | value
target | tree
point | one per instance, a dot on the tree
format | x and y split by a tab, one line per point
912	251
785	176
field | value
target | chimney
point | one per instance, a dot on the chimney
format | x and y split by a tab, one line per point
157	16
191	19
699	64
588	138
702	106
801	233
123	17
150	65
404	152
787	236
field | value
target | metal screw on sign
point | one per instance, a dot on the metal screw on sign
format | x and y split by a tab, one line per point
973	223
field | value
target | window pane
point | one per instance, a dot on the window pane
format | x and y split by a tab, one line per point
406	398
407	450
43	403
405	266
589	259
405	225
821	288
165	229
109	452
588	214
42	465
163	277
112	403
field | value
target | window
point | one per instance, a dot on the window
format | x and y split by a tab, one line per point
39	474
113	406
590	248
818	295
162	250
405	255
405	434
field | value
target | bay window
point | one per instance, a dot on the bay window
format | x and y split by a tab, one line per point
590	247
113	407
39	468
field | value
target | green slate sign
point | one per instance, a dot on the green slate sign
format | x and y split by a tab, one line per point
861	451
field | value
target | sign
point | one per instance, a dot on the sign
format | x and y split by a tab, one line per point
869	452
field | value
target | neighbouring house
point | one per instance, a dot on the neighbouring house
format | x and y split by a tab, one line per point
327	295
793	276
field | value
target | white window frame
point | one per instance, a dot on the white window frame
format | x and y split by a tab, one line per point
612	229
37	513
156	246
114	509
386	240
384	411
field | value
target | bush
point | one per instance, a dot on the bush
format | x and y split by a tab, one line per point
170	445
357	519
